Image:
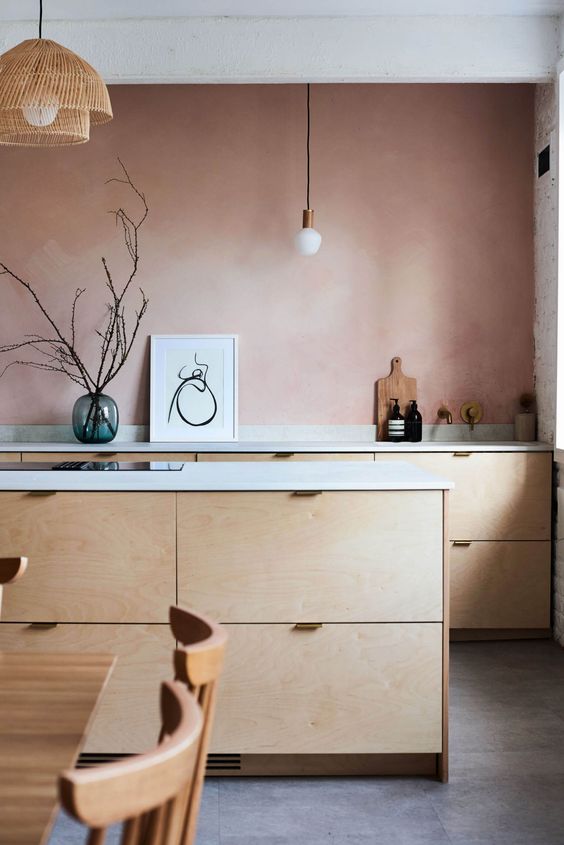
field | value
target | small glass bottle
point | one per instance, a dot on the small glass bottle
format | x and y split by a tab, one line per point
396	424
414	424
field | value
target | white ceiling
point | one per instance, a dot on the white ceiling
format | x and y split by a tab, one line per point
13	10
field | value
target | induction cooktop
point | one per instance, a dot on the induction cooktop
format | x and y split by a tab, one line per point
93	466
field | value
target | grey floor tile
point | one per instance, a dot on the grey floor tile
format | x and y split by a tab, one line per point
500	813
505	765
208	821
328	810
67	831
507	773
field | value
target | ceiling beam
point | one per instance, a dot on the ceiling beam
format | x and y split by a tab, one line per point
277	50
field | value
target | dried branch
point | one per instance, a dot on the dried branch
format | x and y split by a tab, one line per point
116	341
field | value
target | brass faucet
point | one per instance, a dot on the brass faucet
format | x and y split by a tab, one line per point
444	414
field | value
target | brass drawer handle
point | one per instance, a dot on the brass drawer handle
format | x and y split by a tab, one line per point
284	454
307	626
461	454
42	492
307	492
43	626
106	454
462	542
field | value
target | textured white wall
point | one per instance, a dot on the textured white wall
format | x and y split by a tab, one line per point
546	232
545	262
346	49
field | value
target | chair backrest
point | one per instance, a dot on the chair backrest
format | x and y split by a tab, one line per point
11	568
148	792
198	662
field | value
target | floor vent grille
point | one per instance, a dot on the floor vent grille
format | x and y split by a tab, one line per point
86	761
215	762
223	762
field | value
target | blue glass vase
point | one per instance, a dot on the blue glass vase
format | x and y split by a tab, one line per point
95	418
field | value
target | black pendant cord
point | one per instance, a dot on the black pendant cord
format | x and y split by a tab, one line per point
308	134
40	18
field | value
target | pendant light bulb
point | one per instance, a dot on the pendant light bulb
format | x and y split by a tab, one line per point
308	239
40	115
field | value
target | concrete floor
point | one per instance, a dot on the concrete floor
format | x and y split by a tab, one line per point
506	785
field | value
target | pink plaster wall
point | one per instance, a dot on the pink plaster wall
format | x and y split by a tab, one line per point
423	194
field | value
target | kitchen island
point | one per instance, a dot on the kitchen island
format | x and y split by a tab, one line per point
331	578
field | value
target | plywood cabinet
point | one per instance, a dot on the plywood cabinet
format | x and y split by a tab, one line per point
127	719
501	503
500	585
10	457
94	557
345	688
281	457
332	557
497	495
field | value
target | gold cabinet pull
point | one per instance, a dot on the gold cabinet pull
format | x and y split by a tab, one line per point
307	492
43	626
462	542
106	454
284	454
461	454
42	492
307	626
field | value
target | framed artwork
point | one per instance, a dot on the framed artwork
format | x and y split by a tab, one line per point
193	388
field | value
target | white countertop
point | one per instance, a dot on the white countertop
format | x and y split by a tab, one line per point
281	446
322	475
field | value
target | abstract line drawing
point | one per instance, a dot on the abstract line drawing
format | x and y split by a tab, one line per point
197	380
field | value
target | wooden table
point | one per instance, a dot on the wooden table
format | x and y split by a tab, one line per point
47	702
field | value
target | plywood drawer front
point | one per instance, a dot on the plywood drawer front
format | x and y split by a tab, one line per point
334	557
339	689
500	585
127	719
10	456
55	457
498	495
281	457
93	557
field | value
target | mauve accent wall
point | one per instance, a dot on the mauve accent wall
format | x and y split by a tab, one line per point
423	195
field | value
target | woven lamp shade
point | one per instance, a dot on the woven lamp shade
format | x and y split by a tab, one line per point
40	74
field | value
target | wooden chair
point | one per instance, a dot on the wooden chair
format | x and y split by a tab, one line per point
198	663
149	792
11	568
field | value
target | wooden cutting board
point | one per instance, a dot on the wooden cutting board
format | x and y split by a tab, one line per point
396	385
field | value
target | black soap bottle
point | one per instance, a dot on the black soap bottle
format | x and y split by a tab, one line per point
396	424
414	424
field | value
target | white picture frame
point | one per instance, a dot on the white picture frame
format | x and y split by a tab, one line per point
194	388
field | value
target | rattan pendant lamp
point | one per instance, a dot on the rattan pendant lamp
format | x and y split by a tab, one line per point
49	96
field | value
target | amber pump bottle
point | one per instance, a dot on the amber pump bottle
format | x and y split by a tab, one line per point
396	424
414	424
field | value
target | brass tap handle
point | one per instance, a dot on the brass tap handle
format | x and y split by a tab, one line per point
471	413
444	414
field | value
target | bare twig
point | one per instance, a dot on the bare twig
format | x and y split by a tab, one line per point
116	341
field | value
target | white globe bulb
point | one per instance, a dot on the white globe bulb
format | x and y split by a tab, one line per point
40	115
307	241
